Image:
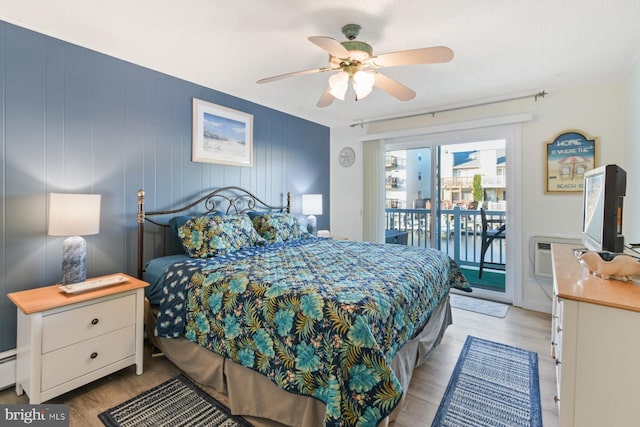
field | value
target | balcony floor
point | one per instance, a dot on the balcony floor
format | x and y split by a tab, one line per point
492	280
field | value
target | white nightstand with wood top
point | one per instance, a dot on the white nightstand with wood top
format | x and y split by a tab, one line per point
68	340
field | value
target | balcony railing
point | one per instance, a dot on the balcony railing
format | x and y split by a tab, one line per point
458	232
456	181
498	181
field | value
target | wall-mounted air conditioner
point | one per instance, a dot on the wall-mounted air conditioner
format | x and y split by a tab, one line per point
542	265
542	260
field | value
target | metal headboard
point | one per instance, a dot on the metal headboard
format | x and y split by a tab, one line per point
228	200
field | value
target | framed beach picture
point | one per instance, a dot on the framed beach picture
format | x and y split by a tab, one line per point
569	156
221	135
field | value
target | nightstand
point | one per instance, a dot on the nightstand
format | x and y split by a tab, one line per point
326	234
68	340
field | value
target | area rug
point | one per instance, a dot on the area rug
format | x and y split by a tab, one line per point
492	385
176	402
477	305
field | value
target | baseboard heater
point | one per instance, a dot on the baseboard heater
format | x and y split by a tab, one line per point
7	369
542	265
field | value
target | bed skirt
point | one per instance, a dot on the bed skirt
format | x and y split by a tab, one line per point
255	397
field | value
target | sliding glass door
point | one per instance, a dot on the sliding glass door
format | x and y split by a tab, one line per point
435	193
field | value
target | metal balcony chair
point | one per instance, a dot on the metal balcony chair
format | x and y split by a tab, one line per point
488	235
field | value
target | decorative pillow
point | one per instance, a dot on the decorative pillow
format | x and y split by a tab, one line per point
178	221
211	235
278	227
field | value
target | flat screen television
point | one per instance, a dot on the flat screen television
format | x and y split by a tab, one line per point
604	191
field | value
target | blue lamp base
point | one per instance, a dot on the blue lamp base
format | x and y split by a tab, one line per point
74	260
312	225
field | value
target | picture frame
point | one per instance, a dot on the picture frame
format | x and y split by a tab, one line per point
221	135
568	156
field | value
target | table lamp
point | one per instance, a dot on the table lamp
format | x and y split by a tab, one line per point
312	206
74	215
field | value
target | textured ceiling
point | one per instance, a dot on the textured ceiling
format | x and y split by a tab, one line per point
503	48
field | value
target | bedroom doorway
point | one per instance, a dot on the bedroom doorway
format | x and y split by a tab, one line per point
435	189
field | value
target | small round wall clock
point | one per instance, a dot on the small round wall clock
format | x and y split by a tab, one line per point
347	157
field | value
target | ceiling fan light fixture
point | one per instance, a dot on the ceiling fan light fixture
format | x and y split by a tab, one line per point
339	83
363	83
352	57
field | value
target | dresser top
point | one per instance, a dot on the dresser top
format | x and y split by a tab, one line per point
49	297
573	282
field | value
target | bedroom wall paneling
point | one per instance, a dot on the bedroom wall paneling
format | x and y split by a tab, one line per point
75	120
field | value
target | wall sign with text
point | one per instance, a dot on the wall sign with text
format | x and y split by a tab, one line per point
569	156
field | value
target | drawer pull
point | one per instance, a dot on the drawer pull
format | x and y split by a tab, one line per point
556	399
94	355
558	362
94	321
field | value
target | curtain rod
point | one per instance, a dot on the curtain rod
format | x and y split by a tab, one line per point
540	94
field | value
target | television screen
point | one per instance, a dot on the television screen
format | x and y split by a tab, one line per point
593	207
604	191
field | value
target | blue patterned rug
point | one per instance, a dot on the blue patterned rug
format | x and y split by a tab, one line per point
176	402
492	385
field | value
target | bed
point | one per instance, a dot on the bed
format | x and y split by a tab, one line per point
285	328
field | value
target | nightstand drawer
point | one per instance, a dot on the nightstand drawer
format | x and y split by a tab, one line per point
79	359
71	326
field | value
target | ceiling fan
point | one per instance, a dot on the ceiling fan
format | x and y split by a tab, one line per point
358	67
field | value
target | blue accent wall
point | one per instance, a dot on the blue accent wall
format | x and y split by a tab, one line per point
74	120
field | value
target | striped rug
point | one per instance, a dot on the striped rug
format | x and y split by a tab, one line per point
176	402
492	385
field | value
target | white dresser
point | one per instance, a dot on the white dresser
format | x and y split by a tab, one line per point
65	341
595	340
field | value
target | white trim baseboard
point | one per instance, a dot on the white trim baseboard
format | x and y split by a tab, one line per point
7	369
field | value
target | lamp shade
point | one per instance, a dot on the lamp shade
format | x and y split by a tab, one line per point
312	204
363	83
339	83
74	214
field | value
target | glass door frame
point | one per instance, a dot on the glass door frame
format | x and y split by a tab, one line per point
511	133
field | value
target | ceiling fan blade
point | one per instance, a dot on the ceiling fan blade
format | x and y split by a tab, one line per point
393	87
326	99
426	55
296	73
332	46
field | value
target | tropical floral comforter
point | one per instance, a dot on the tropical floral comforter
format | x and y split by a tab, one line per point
319	317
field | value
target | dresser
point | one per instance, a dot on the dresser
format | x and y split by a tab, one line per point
595	341
67	340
